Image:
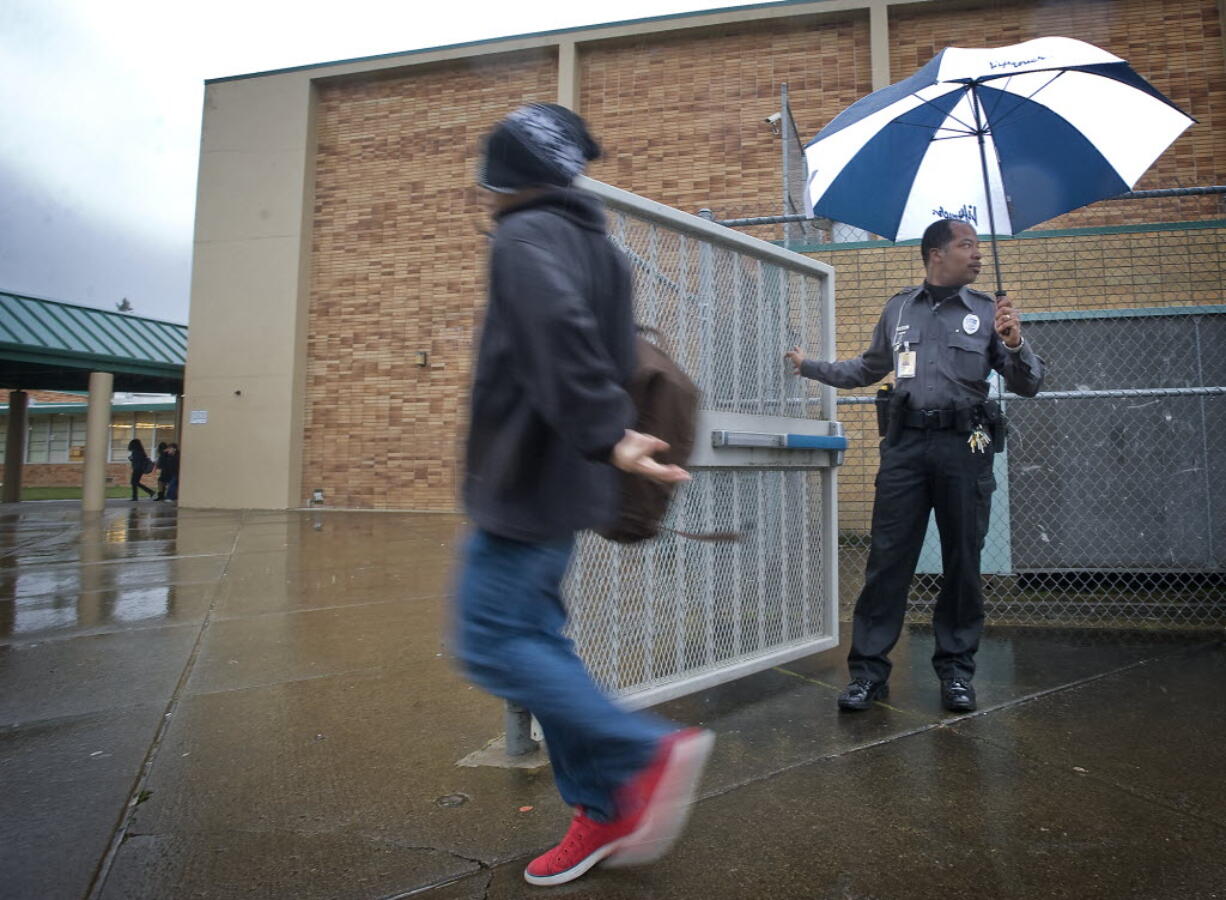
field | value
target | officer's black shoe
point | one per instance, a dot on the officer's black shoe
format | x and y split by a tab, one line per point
957	695
861	693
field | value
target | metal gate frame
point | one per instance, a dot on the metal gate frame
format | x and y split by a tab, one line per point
735	439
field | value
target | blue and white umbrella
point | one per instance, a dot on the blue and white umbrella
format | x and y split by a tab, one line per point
1000	138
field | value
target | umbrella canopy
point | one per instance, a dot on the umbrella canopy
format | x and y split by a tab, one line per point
1000	138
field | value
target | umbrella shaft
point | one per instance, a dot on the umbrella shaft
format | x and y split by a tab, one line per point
987	188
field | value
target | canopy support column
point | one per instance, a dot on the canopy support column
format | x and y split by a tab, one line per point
97	440
15	446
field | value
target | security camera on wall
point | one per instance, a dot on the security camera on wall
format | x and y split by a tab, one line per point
773	121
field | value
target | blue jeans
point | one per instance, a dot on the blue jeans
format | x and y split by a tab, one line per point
509	620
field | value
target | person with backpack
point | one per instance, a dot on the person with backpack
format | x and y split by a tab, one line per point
170	471
142	465
550	427
160	465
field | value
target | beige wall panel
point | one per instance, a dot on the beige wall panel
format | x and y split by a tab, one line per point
248	348
398	267
248	334
234	475
248	295
251	195
255	114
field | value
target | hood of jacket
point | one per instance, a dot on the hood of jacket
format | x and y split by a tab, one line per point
583	209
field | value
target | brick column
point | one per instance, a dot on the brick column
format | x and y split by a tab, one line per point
15	446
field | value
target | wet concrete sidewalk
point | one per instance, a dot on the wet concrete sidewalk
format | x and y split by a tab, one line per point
215	704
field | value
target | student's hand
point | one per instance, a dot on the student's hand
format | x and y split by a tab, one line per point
634	452
796	358
1008	324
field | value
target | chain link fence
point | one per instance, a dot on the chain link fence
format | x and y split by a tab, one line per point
1110	509
674	615
1110	499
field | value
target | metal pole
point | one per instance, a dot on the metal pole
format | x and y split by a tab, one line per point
760	220
519	731
987	189
1171	192
785	126
830	476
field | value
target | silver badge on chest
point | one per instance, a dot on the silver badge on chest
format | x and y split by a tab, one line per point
970	324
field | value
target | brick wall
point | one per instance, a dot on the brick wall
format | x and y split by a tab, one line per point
56	397
71	474
681	115
398	267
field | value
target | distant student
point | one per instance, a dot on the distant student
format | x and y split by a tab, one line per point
141	466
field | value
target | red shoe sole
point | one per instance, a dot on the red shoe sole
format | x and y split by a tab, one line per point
578	869
670	808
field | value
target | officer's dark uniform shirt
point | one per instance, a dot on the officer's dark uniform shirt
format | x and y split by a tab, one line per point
955	344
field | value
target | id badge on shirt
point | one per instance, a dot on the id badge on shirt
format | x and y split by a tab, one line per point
906	362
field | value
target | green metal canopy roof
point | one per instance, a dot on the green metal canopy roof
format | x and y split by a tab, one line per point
48	345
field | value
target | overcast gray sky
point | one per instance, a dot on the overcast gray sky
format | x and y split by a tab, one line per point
100	117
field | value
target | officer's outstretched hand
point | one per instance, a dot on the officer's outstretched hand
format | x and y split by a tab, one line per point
634	452
1008	325
795	357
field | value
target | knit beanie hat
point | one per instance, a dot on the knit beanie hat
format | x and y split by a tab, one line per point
538	144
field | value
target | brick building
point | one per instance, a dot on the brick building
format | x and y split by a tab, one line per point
339	250
54	451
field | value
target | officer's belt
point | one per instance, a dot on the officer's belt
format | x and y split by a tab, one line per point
931	419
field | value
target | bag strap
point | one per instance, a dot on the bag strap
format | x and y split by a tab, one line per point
712	537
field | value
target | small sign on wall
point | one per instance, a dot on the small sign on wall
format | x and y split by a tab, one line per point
198	417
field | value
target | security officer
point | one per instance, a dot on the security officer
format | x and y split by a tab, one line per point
940	432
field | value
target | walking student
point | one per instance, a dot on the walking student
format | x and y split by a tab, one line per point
940	340
141	466
550	423
170	470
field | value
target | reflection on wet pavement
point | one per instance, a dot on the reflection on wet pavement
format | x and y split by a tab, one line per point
62	572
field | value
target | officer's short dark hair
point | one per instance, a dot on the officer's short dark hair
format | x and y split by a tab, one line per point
936	236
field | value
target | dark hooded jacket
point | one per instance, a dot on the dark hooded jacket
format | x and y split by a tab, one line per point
556	349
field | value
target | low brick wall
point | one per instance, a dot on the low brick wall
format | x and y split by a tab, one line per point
71	474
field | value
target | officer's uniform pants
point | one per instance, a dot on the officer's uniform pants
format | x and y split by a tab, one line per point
922	471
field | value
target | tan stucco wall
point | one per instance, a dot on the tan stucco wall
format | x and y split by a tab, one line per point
245	349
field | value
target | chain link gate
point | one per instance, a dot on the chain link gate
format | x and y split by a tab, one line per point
672	616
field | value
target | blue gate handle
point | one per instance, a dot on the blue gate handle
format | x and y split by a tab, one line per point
815	442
